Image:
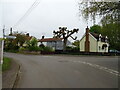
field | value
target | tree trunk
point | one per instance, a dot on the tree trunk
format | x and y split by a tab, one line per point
64	44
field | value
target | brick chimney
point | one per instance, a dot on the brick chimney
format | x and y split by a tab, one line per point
10	31
43	37
87	42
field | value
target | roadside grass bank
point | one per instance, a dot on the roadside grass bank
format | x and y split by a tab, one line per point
6	64
10	73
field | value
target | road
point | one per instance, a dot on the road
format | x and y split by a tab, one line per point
59	71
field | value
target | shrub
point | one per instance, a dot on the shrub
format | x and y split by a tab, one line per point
48	49
72	49
22	49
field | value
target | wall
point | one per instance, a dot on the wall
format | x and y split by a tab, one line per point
100	47
44	43
82	44
58	45
93	44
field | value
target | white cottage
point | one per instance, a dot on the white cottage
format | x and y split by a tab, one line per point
92	42
55	43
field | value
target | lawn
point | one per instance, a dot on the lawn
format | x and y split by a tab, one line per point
6	64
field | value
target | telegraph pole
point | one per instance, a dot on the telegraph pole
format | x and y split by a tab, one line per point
2	51
3	31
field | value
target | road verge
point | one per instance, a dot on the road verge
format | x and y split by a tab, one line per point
10	76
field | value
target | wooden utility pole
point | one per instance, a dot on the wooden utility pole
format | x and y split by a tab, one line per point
2	46
65	34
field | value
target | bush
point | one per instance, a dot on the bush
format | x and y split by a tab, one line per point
72	49
48	49
22	49
11	48
34	48
68	48
76	49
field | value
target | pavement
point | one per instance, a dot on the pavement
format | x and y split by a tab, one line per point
9	77
52	71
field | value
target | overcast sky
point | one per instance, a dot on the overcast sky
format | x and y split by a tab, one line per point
49	15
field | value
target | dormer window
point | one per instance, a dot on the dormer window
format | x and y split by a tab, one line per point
106	39
100	36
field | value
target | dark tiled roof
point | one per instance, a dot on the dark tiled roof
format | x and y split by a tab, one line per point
50	39
97	36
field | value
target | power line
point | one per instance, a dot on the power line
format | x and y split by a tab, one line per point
33	6
27	13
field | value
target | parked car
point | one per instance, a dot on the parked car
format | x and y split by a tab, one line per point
114	51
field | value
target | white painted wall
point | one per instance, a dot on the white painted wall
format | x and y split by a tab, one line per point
100	47
44	43
93	44
82	44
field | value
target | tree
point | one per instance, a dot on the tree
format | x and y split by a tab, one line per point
112	30
109	11
65	34
14	44
20	38
95	29
110	14
32	43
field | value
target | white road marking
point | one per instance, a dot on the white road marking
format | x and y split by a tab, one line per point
99	67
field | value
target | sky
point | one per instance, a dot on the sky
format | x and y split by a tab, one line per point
47	16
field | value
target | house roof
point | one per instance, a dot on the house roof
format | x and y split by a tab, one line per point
50	39
97	36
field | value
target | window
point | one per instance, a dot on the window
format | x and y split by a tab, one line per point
99	47
104	46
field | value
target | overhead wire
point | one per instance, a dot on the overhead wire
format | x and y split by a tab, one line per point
33	6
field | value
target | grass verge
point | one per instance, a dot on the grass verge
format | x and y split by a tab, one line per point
6	64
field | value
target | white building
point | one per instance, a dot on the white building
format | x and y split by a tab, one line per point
92	42
55	43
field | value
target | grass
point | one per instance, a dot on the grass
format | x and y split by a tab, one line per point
6	64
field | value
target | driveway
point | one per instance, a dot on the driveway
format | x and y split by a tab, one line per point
59	71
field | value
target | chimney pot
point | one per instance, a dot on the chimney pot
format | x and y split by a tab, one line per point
10	31
27	34
43	37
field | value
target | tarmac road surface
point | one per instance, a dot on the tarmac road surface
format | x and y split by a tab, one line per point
59	71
